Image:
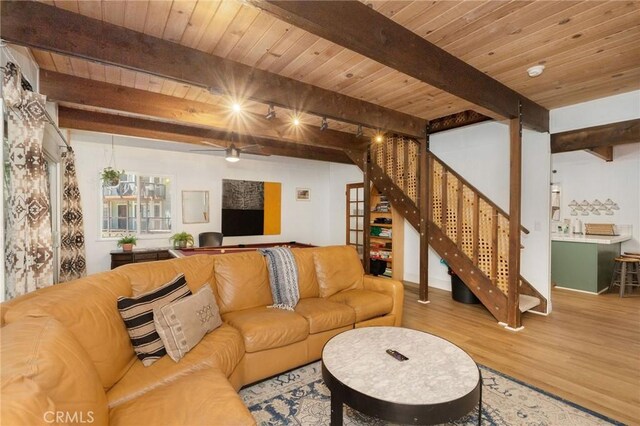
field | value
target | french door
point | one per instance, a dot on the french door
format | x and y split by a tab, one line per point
355	216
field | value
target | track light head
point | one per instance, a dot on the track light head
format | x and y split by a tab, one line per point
325	125
271	113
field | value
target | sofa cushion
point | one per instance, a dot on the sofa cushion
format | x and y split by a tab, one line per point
222	349
323	314
97	326
137	313
147	276
43	351
307	280
367	304
197	269
242	281
338	268
200	398
183	323
267	328
23	402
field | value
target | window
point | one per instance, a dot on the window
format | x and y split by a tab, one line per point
139	204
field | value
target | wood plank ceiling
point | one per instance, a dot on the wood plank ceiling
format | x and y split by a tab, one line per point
590	49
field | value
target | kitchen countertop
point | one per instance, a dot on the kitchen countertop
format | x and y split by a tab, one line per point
592	239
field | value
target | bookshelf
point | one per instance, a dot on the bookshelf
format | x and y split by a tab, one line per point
386	235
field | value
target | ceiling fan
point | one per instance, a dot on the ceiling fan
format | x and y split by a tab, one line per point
232	153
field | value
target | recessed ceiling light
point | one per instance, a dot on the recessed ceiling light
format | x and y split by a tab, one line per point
535	70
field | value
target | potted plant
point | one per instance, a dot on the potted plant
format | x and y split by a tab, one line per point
110	176
181	240
127	242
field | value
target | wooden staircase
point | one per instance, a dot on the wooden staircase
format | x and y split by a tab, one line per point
465	228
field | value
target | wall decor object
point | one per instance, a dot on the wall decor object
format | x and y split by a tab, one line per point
250	208
596	207
195	206
303	194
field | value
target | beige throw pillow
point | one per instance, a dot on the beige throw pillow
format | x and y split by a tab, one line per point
183	323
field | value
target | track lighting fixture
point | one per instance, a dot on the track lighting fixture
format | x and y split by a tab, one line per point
271	113
359	131
325	125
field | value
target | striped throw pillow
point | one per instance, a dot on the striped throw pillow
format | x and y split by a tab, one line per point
137	313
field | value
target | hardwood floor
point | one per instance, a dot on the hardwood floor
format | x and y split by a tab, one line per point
586	351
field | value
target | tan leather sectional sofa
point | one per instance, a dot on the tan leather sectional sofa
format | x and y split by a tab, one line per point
66	355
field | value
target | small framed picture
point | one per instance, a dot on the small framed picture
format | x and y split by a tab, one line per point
303	194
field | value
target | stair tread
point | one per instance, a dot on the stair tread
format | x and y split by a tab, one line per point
527	302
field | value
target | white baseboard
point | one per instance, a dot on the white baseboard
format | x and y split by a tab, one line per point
544	314
581	291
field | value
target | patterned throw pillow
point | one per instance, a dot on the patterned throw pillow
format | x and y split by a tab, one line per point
183	323
137	313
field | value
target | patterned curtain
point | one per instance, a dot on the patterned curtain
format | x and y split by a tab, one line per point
73	263
28	241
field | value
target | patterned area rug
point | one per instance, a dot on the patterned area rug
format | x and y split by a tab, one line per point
299	397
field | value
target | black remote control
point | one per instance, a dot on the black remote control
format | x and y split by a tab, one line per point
397	355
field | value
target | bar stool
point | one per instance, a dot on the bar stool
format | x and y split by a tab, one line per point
626	273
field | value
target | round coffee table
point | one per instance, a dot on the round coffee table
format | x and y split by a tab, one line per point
438	383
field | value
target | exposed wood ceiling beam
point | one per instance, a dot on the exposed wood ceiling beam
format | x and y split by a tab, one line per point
81	91
603	152
358	27
593	137
78	119
50	28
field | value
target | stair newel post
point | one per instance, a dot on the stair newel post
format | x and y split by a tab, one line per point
425	201
366	237
515	208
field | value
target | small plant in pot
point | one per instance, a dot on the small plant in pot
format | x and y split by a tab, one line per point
182	240
110	176
127	242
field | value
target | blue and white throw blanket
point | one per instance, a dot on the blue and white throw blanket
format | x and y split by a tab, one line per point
283	277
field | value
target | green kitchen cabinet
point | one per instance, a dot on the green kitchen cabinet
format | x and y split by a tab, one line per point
583	266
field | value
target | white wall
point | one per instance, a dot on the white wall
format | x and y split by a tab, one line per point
480	153
303	221
582	176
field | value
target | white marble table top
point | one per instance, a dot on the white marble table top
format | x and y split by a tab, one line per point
437	370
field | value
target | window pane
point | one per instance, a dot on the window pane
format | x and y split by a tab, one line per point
360	222
352	237
155	204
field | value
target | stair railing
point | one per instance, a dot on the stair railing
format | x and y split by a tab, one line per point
477	226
